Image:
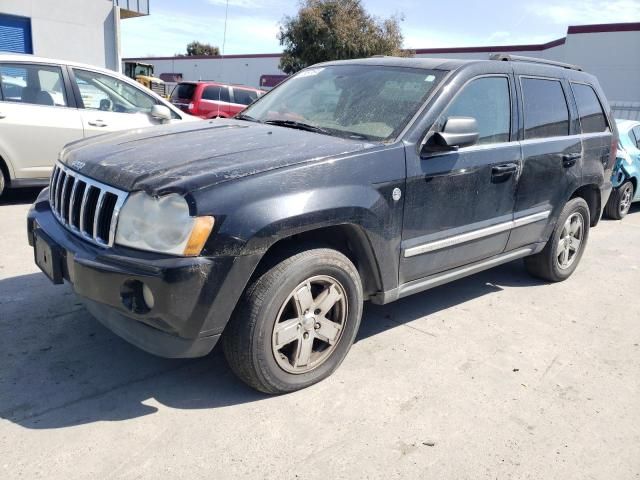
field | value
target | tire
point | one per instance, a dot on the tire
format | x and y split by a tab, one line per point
548	264
2	183
268	352
620	201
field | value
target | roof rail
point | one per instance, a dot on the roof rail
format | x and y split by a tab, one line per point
503	57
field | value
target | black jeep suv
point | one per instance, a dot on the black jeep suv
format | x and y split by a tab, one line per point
351	181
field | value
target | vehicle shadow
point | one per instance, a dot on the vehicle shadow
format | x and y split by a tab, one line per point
378	318
19	196
61	368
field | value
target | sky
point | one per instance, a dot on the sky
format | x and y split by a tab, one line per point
252	25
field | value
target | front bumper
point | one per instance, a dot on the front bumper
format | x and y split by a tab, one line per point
193	297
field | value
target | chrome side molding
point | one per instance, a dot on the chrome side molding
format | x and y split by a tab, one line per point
475	235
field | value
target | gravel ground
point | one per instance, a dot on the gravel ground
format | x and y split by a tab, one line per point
495	376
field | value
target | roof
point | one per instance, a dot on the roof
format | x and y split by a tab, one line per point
413	62
449	64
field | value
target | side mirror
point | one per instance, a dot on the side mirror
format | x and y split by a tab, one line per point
161	112
458	132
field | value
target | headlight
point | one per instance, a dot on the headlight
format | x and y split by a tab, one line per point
162	225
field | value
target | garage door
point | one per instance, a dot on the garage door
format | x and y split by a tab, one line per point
15	34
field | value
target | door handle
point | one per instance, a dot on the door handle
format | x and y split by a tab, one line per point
97	123
501	173
506	169
570	159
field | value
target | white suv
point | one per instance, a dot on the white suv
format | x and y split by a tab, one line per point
45	104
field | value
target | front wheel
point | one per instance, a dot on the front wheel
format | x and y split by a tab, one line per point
620	201
296	322
562	253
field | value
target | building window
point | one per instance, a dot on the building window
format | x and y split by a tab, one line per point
15	34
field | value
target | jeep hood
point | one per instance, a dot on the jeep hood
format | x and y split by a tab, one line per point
186	157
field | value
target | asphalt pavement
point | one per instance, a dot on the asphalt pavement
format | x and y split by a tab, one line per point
495	376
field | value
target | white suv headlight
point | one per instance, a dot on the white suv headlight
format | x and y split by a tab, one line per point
162	225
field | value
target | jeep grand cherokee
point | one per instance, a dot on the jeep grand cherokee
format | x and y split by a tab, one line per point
353	180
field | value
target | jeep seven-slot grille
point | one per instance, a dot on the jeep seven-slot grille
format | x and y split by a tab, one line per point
86	207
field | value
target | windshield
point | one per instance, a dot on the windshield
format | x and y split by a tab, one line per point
357	101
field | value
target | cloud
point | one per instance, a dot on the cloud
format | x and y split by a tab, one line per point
587	11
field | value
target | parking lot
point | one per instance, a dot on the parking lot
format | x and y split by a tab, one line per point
495	376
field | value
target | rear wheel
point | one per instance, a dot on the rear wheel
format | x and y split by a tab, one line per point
560	257
620	201
296	322
2	183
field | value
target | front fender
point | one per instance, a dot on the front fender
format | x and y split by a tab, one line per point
255	212
623	172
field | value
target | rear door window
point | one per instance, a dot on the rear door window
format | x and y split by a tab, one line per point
216	93
183	91
487	100
34	84
546	113
592	117
244	97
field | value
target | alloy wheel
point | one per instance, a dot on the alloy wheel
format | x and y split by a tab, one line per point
625	199
570	240
309	324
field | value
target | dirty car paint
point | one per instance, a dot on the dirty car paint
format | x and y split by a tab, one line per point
186	158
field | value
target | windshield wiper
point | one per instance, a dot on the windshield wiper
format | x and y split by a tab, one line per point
298	125
248	118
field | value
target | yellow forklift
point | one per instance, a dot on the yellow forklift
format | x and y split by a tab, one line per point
143	74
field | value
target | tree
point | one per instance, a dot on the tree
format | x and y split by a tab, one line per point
198	48
334	30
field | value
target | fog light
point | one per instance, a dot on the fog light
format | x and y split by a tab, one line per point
147	295
136	296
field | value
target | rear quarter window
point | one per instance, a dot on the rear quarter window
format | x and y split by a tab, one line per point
592	117
546	113
244	97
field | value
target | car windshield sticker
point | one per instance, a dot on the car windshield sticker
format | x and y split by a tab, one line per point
309	73
430	78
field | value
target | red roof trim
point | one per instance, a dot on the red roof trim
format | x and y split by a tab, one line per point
605	27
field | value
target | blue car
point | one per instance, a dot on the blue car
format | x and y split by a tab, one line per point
626	173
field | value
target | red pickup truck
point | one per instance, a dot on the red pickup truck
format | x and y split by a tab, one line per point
212	99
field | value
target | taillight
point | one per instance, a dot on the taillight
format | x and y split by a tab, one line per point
614	151
191	107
